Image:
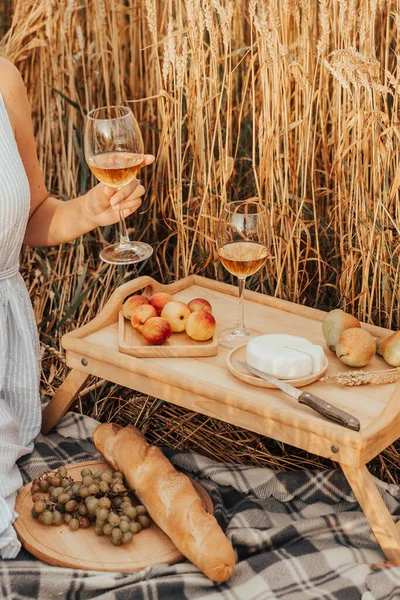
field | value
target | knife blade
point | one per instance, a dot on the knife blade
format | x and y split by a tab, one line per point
326	409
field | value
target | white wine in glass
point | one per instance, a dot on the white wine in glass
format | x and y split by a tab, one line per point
114	152
116	169
242	246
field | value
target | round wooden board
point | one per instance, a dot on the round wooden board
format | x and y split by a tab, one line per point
83	549
239	353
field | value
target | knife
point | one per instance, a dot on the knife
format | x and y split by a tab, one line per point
326	409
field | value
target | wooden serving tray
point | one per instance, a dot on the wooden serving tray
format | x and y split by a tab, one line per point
179	344
83	549
205	384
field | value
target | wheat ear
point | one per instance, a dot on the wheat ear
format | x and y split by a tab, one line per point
351	378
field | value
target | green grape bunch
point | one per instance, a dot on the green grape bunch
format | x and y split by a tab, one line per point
102	499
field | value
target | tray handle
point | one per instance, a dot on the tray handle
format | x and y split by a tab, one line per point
145	283
149	286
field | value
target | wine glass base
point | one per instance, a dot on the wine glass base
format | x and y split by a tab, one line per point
125	254
228	338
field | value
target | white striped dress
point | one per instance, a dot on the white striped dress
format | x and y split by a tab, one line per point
20	410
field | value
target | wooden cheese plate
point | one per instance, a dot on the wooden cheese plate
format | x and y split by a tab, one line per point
83	549
179	344
239	353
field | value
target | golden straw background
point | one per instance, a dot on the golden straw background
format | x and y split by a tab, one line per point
294	101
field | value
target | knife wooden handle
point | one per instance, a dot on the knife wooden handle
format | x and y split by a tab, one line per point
329	411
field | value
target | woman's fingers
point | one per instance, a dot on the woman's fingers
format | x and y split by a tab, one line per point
148	159
126	194
130	205
129	211
129	192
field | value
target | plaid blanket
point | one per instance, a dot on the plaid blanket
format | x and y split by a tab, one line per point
298	535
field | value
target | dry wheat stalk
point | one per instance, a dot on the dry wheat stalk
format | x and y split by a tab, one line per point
323	42
359	377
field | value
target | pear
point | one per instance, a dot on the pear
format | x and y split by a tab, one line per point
355	347
389	349
335	322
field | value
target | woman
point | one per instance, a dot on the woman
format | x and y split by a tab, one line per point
29	215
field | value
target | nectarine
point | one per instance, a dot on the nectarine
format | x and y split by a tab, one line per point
141	314
176	313
200	304
159	300
156	330
131	303
200	325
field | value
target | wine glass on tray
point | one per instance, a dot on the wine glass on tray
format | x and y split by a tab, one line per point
242	247
114	152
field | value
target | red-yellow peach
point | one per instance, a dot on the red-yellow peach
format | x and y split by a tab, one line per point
159	300
200	304
132	303
156	330
176	313
200	325
141	314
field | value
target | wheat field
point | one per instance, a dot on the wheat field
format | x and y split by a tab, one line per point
295	102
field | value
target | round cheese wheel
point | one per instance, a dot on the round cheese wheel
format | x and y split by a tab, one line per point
284	356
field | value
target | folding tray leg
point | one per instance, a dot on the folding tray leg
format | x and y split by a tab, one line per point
63	398
381	521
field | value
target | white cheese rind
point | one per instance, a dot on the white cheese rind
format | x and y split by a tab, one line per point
316	354
285	356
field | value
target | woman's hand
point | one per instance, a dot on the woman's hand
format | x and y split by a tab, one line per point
101	204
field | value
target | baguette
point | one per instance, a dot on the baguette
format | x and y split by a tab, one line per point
169	497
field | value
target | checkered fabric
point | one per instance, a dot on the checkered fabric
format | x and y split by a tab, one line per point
298	535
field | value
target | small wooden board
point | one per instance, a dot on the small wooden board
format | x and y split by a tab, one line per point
83	549
239	353
179	344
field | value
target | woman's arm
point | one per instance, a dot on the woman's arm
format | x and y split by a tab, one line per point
53	221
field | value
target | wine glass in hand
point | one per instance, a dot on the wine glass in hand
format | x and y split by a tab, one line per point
114	152
242	246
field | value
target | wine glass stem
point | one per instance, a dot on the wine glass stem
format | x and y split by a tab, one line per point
123	234
240	328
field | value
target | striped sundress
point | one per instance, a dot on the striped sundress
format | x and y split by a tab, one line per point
20	410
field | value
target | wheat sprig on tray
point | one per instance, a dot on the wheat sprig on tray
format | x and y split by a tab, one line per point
351	378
